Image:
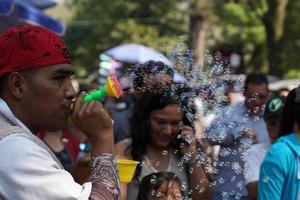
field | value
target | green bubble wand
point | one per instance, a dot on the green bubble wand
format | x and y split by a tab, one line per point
111	88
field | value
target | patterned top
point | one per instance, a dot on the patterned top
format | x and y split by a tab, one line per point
147	169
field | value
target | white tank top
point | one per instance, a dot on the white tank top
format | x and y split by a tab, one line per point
147	169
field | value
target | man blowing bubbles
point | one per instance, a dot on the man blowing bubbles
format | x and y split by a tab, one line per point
36	95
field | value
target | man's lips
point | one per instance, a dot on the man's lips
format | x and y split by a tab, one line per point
67	112
67	108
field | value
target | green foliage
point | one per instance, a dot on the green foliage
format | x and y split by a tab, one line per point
243	30
291	40
292	73
100	25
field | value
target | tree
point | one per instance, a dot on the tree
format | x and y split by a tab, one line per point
264	31
290	41
100	25
242	32
273	18
261	31
198	29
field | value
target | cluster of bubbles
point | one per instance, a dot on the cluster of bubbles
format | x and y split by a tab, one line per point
207	82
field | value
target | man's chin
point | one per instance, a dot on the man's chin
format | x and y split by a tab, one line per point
60	126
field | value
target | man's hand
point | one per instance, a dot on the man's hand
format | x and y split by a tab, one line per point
91	118
95	123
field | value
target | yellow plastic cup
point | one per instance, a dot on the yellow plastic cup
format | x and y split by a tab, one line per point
126	169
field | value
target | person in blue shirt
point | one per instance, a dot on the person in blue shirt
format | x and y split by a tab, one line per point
280	174
235	128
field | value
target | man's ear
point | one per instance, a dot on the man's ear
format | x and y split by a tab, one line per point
17	84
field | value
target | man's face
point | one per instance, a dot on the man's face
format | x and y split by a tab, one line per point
256	96
48	97
272	123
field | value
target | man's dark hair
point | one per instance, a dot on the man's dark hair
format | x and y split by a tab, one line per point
142	71
256	78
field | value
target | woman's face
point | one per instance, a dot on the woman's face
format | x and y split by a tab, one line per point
165	124
167	191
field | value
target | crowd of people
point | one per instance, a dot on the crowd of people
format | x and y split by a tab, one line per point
52	146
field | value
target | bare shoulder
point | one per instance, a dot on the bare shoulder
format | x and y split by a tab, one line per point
121	149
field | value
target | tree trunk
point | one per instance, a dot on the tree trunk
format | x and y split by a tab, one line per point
274	24
197	32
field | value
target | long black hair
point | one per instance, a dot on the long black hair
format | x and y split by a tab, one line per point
153	181
157	98
290	113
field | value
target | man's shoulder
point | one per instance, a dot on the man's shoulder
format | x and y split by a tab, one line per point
18	145
18	142
6	128
18	150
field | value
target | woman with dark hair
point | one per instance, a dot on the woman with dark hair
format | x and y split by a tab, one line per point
161	142
162	186
279	173
291	113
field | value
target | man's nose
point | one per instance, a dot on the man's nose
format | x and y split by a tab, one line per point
70	92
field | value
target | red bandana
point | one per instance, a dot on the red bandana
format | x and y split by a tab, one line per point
28	47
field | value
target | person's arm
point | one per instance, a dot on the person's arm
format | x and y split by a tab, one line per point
94	121
199	183
252	167
228	129
220	132
81	171
272	175
104	178
198	180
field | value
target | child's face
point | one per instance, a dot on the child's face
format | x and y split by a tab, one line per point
167	191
